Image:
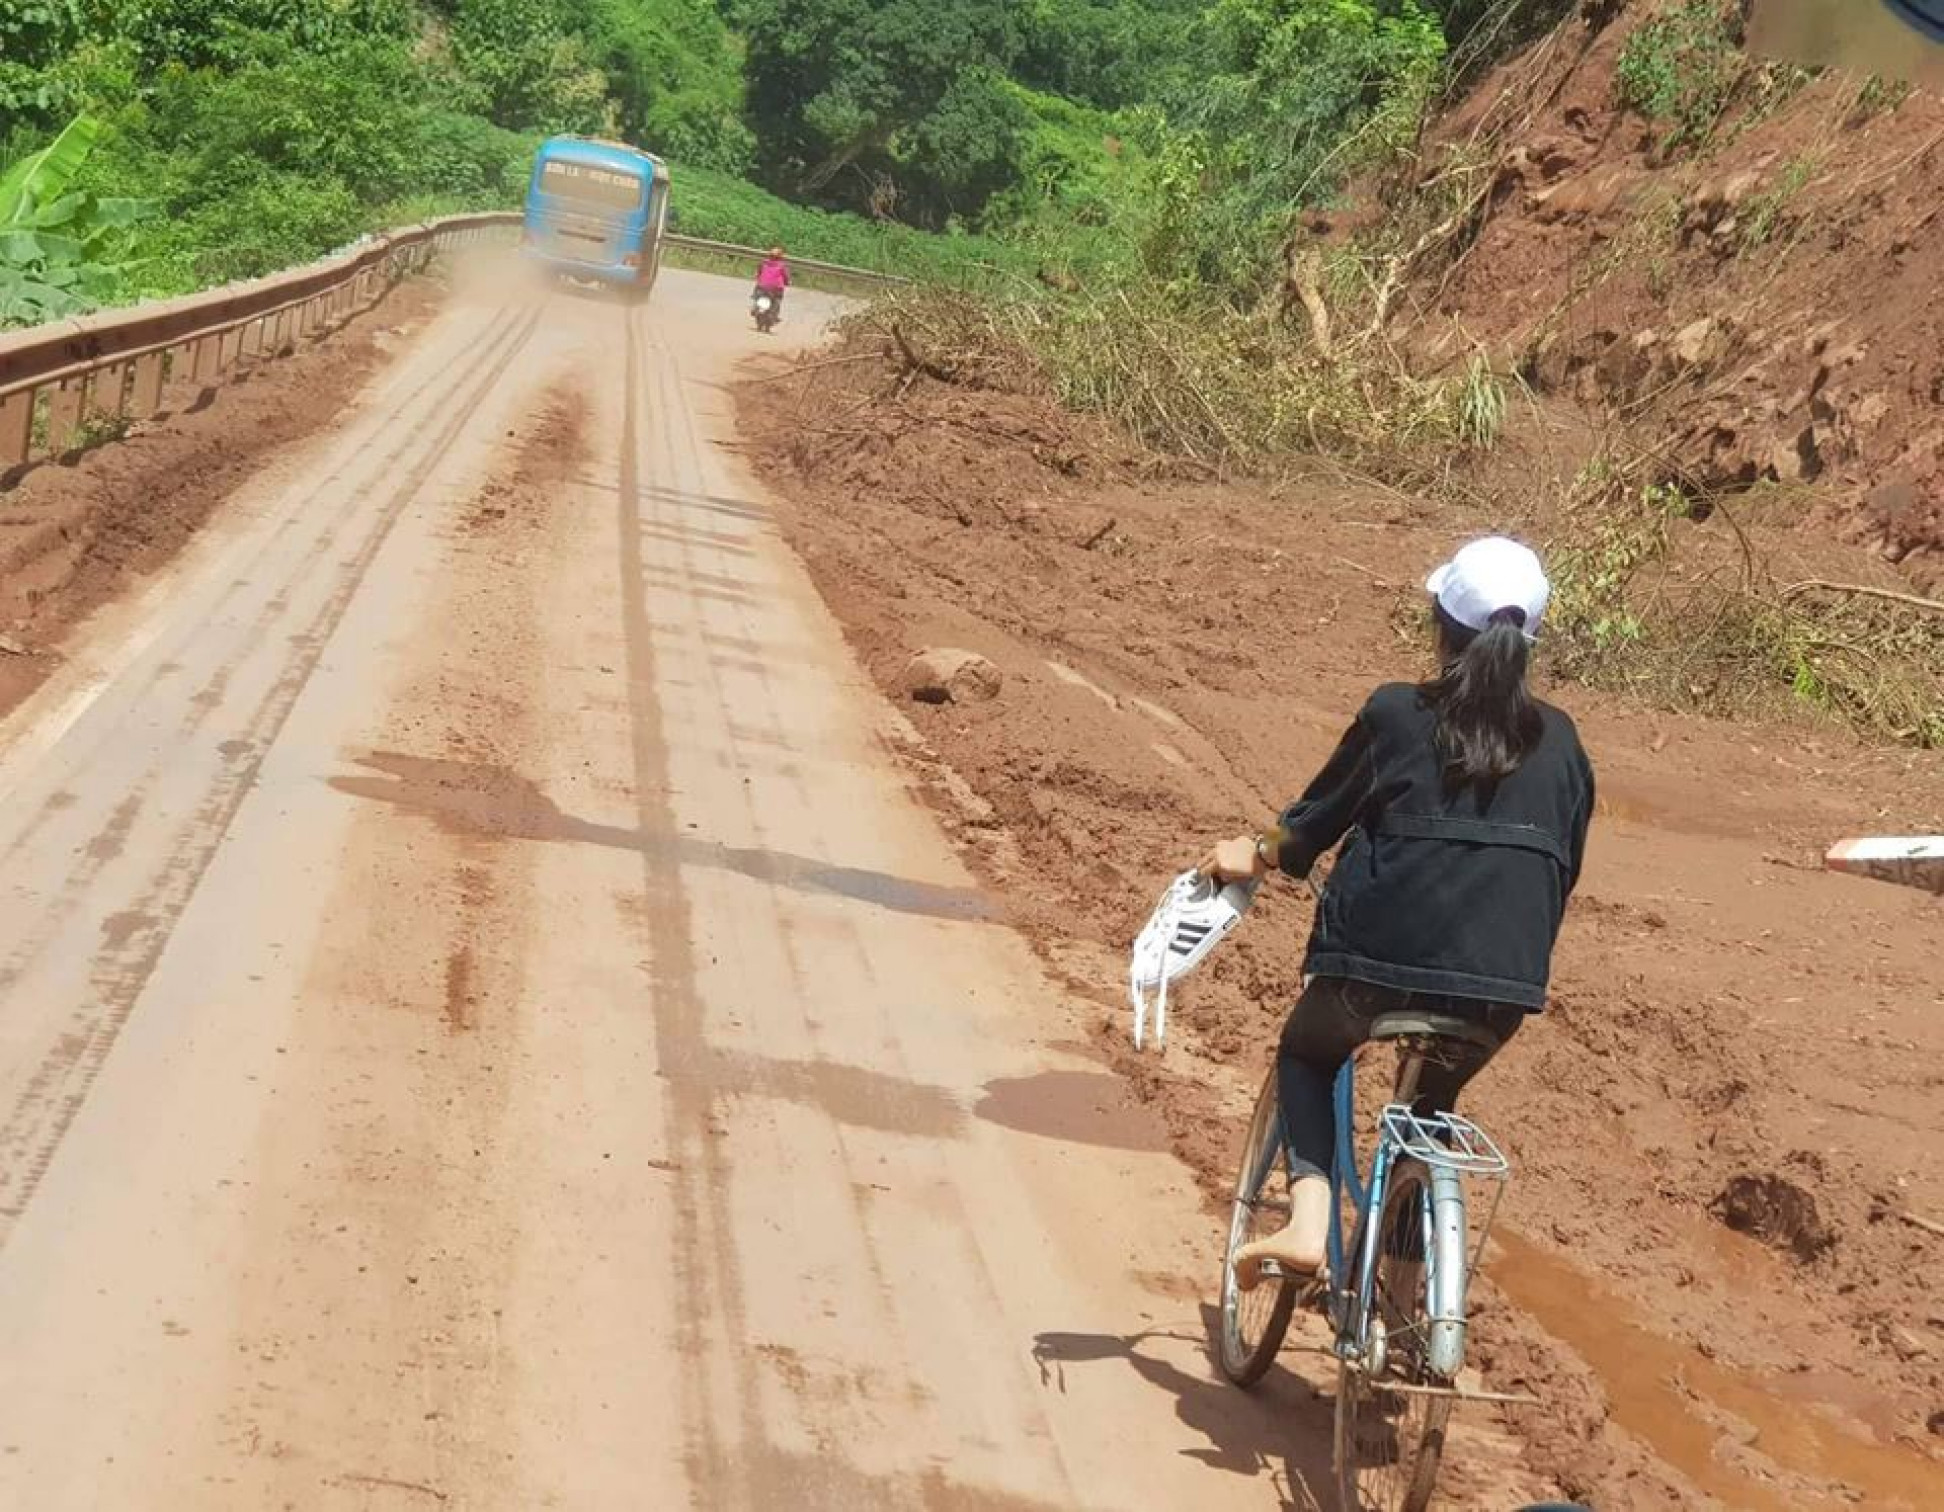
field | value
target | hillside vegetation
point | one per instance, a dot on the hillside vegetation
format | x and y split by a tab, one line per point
1073	140
1387	230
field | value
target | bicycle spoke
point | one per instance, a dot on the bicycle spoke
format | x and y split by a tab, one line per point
1389	1443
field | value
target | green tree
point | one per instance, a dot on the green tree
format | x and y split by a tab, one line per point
228	33
830	81
675	74
1295	83
34	36
59	245
968	148
531	62
1109	53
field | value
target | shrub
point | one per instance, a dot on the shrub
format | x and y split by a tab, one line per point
1681	67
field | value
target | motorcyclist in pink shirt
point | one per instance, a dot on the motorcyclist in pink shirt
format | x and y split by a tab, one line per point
773	277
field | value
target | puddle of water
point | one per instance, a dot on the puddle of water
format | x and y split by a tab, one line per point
1659	1389
1077	1107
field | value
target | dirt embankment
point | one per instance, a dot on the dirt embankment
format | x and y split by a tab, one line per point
1753	302
1720	1125
75	533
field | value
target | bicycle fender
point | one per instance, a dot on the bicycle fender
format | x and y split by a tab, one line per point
1446	1247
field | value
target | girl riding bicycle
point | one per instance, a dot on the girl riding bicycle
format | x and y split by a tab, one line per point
1466	802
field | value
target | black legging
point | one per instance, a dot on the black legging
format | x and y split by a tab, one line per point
1332	1018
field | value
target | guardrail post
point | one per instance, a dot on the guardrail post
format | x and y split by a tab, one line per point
16	427
107	389
64	413
147	396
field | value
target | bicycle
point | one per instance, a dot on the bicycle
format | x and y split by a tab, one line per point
1397	1310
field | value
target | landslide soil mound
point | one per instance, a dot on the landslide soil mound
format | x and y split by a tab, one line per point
1755	306
1719	1128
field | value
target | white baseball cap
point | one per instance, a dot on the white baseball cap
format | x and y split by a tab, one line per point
1490	575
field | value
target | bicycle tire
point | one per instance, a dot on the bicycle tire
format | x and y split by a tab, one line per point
1389	1443
1251	1325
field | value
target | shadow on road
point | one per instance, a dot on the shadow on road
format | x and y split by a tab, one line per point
1280	1429
492	802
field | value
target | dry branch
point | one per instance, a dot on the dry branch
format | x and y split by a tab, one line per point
917	363
1860	590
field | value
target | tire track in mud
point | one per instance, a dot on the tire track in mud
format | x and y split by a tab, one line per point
34	1127
424	968
703	1244
751	1463
986	1294
209	697
51	916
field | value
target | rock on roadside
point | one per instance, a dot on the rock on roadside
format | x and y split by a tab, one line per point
945	675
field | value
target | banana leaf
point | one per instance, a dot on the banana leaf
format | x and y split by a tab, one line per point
43	177
45	248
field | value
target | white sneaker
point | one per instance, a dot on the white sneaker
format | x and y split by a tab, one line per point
1194	915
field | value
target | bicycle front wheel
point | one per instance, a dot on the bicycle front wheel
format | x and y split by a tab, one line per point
1392	1410
1253	1323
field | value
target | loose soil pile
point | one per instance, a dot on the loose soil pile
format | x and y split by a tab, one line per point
1762	309
1719	1128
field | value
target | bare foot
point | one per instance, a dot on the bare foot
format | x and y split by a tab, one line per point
1295	1252
1298	1247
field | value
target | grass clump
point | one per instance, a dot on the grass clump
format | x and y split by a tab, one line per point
1765	212
1671	598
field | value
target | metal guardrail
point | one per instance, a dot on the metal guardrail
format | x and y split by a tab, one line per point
61	379
797	264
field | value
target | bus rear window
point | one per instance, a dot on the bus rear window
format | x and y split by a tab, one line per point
607	187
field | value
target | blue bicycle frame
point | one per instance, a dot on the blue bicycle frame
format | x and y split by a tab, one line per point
1448	1148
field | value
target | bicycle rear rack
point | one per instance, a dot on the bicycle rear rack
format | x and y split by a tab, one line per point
1442	1139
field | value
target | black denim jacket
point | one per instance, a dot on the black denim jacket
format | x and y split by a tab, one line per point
1438	892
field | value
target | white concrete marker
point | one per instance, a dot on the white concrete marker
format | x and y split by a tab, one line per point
1912	861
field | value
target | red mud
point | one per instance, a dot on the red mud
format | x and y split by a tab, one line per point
1721	1119
1762	310
75	533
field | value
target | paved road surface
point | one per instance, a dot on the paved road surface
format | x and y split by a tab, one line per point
483	1024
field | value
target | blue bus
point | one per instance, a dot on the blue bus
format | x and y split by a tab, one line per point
597	210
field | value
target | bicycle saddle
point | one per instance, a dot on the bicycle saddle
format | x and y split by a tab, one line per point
1411	1023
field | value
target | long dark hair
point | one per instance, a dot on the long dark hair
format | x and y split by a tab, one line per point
1487	721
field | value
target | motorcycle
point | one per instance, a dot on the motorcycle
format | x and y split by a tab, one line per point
764	306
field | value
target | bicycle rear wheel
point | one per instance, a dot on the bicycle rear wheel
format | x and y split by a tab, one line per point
1253	1323
1391	1417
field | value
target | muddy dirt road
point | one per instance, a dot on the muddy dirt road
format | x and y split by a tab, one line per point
1718	1266
483	1024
